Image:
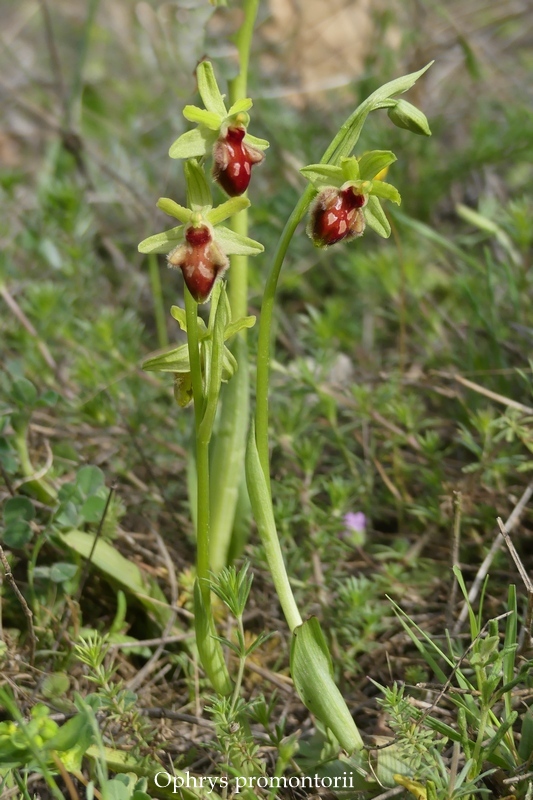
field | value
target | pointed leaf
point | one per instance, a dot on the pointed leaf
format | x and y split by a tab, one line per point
376	218
162	242
312	673
208	88
238	325
234	244
173	209
210	119
227	209
387	191
198	191
192	144
255	141
370	164
321	175
175	360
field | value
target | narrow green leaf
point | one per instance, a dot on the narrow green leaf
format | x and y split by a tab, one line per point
376	217
372	163
209	649
312	673
234	244
175	360
208	88
162	242
173	209
192	144
210	119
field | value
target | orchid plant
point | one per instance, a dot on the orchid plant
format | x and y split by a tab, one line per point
343	197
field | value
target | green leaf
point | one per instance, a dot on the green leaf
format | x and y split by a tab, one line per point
321	175
89	479
23	393
180	316
239	106
229	365
174	209
386	191
198	191
120	571
227	209
162	242
17	534
55	684
238	325
208	89
370	164
255	141
175	360
234	244
192	144
210	119
312	673
93	509
376	218
61	571
18	508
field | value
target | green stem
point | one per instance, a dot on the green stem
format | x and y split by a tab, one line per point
240	673
191	312
39	487
157	297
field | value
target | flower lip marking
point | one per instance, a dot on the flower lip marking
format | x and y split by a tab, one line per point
336	214
233	160
201	261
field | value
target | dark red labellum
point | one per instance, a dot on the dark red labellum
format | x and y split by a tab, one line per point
335	215
233	160
201	261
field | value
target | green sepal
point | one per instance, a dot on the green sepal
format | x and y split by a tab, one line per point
210	119
234	244
370	164
255	141
350	169
322	175
312	673
208	89
162	242
386	191
209	649
227	209
238	325
192	144
376	218
407	116
198	191
175	360
173	209
180	316
239	106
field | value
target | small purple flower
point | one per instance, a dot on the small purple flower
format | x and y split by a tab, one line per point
355	522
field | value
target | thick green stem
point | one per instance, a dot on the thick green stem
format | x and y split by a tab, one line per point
191	311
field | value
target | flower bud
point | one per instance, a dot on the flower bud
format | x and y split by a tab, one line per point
201	261
233	160
405	115
336	214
